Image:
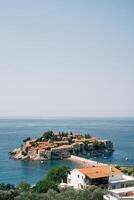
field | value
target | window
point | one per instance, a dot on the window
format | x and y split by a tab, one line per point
78	176
82	177
113	187
69	180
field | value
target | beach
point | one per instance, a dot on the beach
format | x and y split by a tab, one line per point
84	162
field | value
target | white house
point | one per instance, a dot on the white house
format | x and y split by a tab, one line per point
76	179
122	193
106	176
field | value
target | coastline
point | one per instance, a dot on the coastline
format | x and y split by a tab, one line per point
84	162
60	145
13	171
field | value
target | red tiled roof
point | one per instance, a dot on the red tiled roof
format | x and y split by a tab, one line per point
99	171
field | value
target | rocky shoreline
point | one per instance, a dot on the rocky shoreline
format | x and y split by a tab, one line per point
53	146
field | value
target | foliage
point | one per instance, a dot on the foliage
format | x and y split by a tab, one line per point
50	195
98	145
44	185
34	144
58	173
27	139
64	134
70	140
24	153
86	146
6	186
71	151
6	195
52	180
87	136
28	196
68	193
129	170
23	187
91	193
48	189
8	192
47	135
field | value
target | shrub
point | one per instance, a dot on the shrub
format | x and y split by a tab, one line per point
52	180
23	187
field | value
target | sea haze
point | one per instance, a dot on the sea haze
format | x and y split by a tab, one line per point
12	131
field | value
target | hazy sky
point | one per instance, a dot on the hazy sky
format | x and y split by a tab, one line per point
66	58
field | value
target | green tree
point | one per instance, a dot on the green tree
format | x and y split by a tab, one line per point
44	185
98	194
52	180
35	144
98	145
47	135
23	187
6	195
68	194
86	146
87	136
27	139
70	140
6	186
29	196
58	173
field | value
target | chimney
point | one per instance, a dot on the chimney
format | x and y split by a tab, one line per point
110	168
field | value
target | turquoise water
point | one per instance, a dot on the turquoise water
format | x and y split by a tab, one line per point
13	131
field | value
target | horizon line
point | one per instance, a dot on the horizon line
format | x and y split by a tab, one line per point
58	116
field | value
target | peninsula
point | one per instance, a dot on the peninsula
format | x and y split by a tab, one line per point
61	145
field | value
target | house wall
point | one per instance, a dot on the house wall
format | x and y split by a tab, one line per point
79	181
114	196
110	197
121	181
32	153
76	179
116	185
48	154
115	177
41	153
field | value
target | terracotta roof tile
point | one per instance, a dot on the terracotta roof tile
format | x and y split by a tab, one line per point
99	171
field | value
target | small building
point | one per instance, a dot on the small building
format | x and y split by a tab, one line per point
33	152
122	193
108	144
61	143
105	176
61	152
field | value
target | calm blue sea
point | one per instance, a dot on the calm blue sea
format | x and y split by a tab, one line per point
12	131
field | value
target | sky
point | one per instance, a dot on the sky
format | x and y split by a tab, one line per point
67	58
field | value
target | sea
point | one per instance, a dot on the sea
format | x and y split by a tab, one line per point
13	130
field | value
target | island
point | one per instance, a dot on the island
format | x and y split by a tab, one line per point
61	145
